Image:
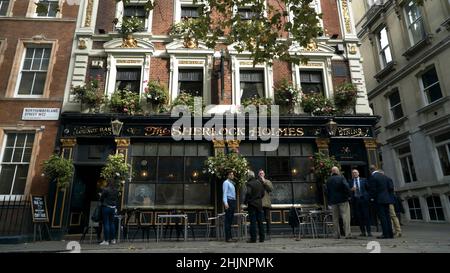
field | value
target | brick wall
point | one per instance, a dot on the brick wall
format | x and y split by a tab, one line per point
330	17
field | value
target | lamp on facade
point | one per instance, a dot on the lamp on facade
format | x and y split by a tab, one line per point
331	127
116	126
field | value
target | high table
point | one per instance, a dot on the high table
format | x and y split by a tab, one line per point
167	217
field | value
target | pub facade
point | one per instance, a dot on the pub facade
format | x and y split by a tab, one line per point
167	174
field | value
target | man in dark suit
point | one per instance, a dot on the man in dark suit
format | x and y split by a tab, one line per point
253	200
338	193
381	189
360	200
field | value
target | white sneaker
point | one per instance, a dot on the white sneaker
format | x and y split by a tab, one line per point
104	243
113	242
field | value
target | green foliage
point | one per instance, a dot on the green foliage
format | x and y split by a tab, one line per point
42	9
156	93
90	93
257	102
287	95
317	104
148	6
125	102
322	166
116	169
219	165
189	100
345	97
131	24
60	169
184	28
264	37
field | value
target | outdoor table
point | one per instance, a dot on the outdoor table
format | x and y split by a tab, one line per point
167	217
241	224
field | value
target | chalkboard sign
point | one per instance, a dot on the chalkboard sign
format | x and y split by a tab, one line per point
39	208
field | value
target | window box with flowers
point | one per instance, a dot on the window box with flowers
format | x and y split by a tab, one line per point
125	102
287	96
218	166
193	103
89	94
156	95
345	98
317	104
257	102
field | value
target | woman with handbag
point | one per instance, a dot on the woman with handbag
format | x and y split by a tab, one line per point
109	199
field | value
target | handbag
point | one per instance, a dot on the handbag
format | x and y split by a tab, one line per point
97	214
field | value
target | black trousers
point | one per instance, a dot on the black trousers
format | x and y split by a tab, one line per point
256	218
229	216
362	214
267	219
385	219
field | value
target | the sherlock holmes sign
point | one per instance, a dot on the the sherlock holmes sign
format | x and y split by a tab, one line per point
244	132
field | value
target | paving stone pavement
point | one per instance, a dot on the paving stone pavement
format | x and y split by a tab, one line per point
416	238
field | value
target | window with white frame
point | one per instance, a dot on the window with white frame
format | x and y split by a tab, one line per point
252	84
312	81
191	81
186	9
4	4
395	105
47	8
128	78
435	208
246	13
15	162
137	11
384	50
407	164
34	70
430	85
443	148
415	211
190	12
414	23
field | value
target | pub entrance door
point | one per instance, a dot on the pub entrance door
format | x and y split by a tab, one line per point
87	186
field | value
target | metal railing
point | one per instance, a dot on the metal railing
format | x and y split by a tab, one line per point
15	216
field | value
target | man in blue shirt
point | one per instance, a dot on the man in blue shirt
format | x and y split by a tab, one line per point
229	202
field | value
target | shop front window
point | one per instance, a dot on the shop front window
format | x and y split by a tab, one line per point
169	174
288	168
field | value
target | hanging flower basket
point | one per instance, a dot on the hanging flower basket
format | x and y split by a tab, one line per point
218	166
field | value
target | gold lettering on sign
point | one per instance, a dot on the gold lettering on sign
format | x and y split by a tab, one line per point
346	13
89	8
355	132
157	131
191	62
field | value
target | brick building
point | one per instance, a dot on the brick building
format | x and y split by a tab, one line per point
168	173
35	48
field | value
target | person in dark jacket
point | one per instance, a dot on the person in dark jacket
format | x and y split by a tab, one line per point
266	202
381	190
253	200
109	199
360	200
338	193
